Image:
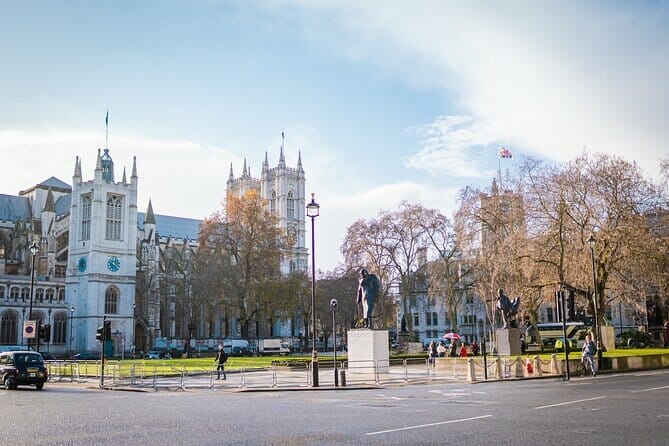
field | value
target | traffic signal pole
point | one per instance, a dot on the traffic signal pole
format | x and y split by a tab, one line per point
102	356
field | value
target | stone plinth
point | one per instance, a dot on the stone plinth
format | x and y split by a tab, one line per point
368	351
508	341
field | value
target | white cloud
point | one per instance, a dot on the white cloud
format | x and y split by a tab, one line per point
550	78
449	146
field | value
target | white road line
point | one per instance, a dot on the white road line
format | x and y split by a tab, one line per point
570	402
427	425
649	390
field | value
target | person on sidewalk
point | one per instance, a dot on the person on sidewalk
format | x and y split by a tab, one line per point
221	358
463	350
588	356
432	352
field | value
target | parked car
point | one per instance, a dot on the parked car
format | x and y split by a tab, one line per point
22	368
153	354
85	356
241	351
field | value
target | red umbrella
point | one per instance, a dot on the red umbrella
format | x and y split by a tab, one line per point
451	335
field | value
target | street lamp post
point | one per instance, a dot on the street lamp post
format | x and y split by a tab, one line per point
71	321
333	304
591	242
48	339
313	211
33	250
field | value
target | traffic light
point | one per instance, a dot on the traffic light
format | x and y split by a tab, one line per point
47	332
100	334
107	330
40	332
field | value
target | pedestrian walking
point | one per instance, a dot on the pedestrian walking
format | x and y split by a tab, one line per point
221	359
588	356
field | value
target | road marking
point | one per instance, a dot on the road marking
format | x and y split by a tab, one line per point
570	402
427	425
649	390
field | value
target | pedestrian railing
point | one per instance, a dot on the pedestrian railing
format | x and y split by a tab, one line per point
156	376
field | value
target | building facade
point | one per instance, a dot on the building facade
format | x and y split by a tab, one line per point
98	257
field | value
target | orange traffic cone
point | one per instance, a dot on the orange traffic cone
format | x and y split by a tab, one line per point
528	366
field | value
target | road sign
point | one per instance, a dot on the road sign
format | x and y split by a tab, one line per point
29	329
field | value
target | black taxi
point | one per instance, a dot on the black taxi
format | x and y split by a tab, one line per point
22	368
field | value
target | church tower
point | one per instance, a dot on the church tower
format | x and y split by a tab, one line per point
102	257
283	188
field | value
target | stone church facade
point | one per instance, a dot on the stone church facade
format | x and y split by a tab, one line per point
97	256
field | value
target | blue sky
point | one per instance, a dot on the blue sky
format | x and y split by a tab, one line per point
387	101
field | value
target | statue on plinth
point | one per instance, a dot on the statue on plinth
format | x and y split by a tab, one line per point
509	309
368	288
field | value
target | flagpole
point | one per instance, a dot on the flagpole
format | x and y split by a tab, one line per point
106	129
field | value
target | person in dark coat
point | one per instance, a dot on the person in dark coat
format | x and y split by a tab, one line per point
221	358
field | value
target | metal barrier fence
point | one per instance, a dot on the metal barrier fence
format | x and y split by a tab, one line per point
165	376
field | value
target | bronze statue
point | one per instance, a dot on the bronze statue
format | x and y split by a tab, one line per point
368	288
509	309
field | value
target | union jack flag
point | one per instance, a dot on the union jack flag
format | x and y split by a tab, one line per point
503	152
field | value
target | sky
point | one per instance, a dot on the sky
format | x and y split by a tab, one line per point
385	100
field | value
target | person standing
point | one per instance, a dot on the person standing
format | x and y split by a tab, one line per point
588	355
463	350
221	359
432	352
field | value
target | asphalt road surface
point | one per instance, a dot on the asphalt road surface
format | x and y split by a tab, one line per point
616	409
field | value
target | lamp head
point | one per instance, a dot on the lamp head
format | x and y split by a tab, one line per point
72	309
591	241
333	303
34	248
313	207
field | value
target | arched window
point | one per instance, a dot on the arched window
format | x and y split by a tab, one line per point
9	327
292	266
86	217
111	300
58	327
290	206
2	293
61	294
39	295
25	294
114	217
49	294
14	293
272	203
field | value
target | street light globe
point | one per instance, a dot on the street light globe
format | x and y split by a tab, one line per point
591	241
34	248
313	207
333	303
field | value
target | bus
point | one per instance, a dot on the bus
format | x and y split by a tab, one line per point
552	331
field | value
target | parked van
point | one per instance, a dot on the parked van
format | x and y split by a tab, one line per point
273	347
236	347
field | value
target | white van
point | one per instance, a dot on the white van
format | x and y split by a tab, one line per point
236	347
273	347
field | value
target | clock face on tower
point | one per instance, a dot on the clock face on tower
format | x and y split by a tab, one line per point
81	264
113	264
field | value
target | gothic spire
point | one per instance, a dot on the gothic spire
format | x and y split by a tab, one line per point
77	170
149	218
134	167
244	172
299	161
232	175
49	205
124	181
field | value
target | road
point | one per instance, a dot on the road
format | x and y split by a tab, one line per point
616	409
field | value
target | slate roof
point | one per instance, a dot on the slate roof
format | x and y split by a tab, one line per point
14	208
176	227
63	204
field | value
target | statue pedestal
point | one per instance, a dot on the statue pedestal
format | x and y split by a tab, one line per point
368	351
403	338
508	341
